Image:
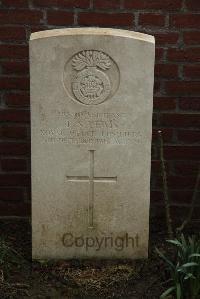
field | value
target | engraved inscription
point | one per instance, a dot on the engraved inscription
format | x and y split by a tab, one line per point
91	179
91	77
86	127
90	137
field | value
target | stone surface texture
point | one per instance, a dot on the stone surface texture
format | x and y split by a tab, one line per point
91	127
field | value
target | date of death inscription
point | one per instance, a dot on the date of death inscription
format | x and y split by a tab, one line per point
86	127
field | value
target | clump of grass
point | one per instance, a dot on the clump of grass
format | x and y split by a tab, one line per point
184	270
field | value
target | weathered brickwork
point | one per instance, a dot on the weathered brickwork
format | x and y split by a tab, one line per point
176	27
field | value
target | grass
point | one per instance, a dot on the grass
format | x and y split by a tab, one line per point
184	268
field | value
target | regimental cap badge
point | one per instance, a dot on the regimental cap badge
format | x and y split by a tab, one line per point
91	59
92	83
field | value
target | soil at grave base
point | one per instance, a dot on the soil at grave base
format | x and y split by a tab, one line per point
19	278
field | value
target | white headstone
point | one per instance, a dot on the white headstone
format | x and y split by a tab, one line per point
91	120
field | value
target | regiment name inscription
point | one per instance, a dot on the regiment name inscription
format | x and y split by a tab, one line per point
85	127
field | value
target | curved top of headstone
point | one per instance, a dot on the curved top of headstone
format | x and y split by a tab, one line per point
93	31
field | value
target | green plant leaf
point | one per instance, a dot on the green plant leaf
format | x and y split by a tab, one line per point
175	242
165	258
185	269
194	255
167	292
189	275
183	240
189	265
178	291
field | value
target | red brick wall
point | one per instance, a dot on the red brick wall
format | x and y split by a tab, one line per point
176	26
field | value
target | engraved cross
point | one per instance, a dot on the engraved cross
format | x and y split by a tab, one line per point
91	179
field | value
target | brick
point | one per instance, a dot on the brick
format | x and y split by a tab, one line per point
11	194
36	28
182	88
18	209
155	118
157	215
182	152
15	67
17	99
14	51
164	103
184	196
28	193
178	127
190	54
13	165
191	37
189	104
156	181
156	196
12	33
181	196
155	166
185	20
62	3
150	19
20	17
14	148
188	136
185	168
156	87
159	52
180	182
195	216
191	71
10	115
192	4
103	4
179	120
178	213
165	38
153	4
13	132
60	18
167	134
154	151
176	182
15	3
18	83
166	70
105	19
